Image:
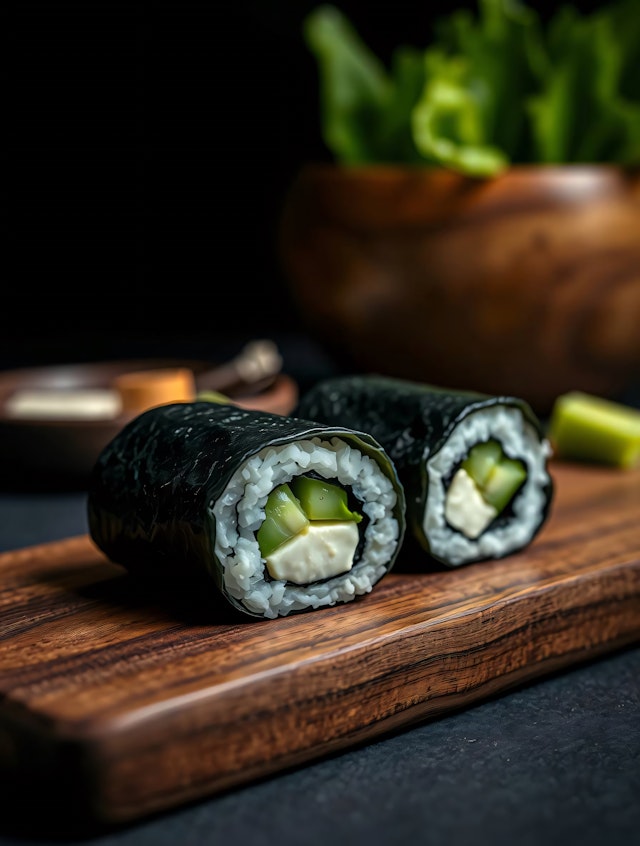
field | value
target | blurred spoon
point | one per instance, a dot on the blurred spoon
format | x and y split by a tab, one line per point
252	370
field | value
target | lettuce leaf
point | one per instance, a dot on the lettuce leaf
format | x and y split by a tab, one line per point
581	113
448	121
504	53
365	108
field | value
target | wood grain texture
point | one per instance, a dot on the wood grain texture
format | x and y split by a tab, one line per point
117	703
524	284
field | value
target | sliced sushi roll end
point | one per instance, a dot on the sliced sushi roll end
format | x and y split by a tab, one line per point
281	514
487	488
474	467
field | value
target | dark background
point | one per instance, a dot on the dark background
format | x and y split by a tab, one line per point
150	150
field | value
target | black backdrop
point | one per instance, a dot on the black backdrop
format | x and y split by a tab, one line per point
150	148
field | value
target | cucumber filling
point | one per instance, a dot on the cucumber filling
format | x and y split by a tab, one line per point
483	486
309	533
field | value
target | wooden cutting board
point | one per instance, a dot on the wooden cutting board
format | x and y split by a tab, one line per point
117	703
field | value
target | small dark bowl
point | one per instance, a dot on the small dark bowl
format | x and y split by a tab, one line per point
52	452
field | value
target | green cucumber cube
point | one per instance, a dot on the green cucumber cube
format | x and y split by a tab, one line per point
284	519
321	500
504	481
482	459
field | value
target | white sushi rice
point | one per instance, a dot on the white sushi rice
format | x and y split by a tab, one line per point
519	440
240	511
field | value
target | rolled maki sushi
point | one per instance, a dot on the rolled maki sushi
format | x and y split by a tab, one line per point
473	466
280	514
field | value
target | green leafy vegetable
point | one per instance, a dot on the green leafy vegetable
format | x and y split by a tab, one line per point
366	109
580	113
489	90
448	121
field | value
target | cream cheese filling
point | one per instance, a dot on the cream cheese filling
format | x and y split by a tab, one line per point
320	551
465	508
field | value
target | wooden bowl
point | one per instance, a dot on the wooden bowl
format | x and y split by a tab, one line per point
525	284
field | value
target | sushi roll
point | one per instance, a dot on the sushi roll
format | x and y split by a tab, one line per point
473	466
280	514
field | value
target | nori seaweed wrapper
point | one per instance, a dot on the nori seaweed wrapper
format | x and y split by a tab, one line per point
152	488
413	421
